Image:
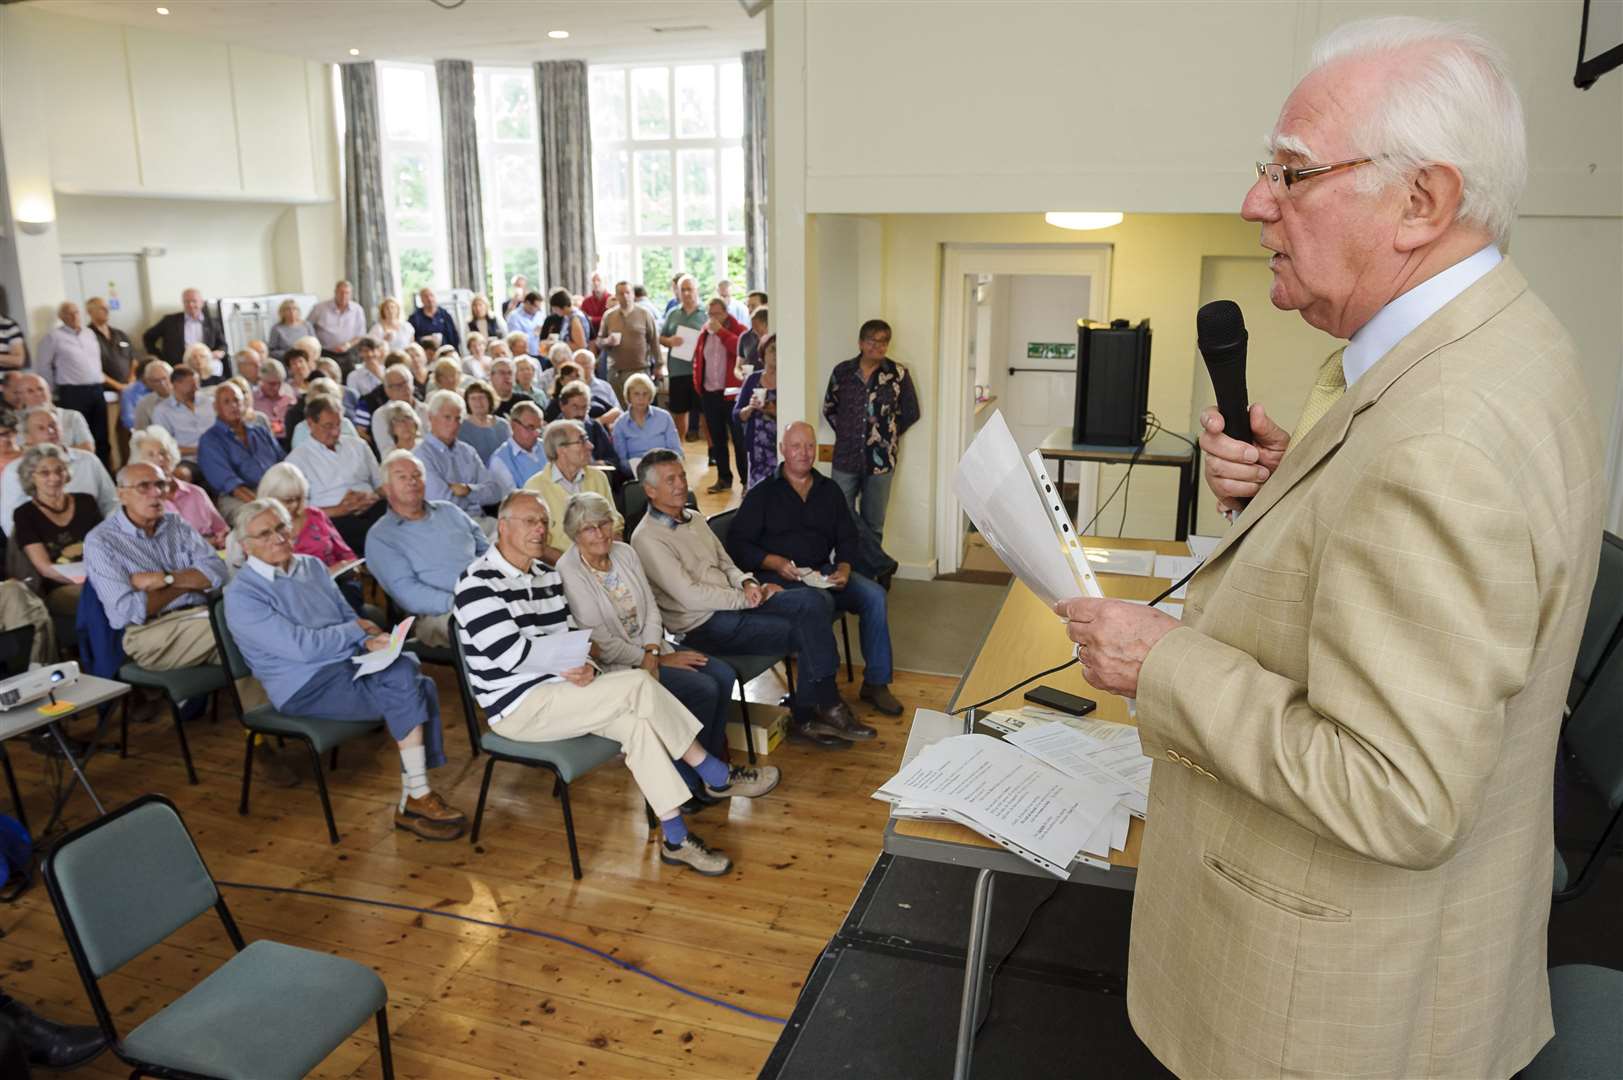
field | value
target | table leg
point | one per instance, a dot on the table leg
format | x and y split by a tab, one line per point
980	920
73	762
11	782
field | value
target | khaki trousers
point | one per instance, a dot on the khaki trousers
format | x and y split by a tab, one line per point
179	639
629	707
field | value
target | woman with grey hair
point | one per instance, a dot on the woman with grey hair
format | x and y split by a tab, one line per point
396	426
156	447
290	327
609	594
50	528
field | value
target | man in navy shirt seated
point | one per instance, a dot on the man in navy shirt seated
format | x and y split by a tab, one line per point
430	319
789	525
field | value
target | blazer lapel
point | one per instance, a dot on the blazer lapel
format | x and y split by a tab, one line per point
1460	316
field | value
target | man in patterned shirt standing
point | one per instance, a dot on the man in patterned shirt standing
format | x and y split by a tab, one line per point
870	403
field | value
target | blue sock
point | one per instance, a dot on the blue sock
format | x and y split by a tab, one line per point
713	771
675	829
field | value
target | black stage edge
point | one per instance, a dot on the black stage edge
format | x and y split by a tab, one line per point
883	998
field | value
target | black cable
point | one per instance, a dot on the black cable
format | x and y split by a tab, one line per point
1176	585
991	978
1012	689
1137	450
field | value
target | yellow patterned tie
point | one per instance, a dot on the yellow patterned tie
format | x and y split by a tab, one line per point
1327	390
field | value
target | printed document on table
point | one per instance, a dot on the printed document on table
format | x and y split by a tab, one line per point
554	654
1005	794
994	486
370	663
683	349
1173	567
1201	547
1109	765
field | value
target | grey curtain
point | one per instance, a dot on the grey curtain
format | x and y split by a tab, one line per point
568	226
755	159
366	234
464	214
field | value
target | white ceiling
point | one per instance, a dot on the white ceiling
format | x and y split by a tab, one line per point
484	31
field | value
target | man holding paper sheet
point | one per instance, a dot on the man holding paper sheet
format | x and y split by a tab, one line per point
681	333
1347	861
508	604
298	635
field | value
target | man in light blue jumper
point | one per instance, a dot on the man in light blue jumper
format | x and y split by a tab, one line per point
297	634
453	469
419	549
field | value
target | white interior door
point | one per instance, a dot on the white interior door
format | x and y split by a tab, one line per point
1040	390
116	279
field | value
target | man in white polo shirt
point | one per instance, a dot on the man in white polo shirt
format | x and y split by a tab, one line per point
344	479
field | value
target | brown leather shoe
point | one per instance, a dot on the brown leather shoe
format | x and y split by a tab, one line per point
433	807
838	719
880	698
431	818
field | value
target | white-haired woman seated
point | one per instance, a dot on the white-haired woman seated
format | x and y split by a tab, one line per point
50	528
313	531
645	426
396	425
156	447
610	595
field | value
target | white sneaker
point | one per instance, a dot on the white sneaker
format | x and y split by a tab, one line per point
746	782
692	853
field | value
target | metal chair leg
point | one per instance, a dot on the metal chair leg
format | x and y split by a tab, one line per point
479	811
569	830
124	728
247	773
385	1052
557	786
332	759
789	673
845	634
11	782
469	714
321	786
749	730
185	747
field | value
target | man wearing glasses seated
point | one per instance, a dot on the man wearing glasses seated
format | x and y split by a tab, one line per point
520	457
152	573
297	633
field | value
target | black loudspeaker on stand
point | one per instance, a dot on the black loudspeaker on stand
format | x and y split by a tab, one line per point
1112	383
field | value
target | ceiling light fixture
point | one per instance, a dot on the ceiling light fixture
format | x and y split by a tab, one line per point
354	52
1078	220
557	35
162	11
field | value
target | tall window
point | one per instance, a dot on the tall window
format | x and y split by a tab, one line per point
413	176
668	173
510	176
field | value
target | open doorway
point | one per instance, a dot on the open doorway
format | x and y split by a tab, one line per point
1009	327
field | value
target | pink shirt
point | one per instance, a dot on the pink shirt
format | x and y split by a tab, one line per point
320	538
192	504
276	407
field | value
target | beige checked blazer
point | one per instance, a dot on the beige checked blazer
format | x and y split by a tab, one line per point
1346	870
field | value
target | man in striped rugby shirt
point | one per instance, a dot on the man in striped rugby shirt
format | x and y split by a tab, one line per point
507	599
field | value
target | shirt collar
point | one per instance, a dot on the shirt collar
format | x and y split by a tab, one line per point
665	519
499	561
1403	314
266	570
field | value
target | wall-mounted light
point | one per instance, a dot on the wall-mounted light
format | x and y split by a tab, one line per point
354	52
1082	220
34	215
557	35
162	10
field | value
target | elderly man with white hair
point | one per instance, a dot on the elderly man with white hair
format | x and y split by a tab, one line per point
234	454
453	469
39	426
420	547
35	393
155	446
343	475
70	360
568	472
521	456
191	325
1346	869
298	634
339	323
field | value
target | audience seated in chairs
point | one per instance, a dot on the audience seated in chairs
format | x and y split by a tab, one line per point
341	471
50	528
521	456
453	469
35	393
89	476
298	425
398	425
787	528
152	573
572	405
273	396
569	472
720	610
156	447
419	549
482	429
509	598
609	595
297	634
234	454
187	414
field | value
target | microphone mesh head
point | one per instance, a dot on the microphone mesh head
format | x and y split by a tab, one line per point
1219	323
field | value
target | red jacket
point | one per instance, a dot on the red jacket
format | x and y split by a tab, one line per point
730	332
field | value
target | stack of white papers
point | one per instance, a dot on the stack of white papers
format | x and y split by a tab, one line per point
1105	754
1042	814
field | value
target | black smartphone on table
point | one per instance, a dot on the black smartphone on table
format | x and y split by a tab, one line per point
1049	698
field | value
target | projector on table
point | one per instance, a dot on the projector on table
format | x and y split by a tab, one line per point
36	683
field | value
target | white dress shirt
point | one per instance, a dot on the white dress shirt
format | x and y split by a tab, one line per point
350	466
1403	314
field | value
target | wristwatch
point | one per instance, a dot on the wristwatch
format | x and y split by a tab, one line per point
169	579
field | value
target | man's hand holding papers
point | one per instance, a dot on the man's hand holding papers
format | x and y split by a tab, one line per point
1113	637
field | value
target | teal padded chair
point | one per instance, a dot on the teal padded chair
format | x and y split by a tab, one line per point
203	681
1588	1045
319	736
445	657
566	759
124	883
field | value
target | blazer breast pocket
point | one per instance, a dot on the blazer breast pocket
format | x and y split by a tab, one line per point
1266	583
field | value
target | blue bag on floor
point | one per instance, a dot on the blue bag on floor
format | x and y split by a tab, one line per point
16	856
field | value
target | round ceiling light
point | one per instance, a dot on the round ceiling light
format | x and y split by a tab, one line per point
557	35
1082	220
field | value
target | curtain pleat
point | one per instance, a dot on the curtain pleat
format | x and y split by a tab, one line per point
366	233
755	162
464	213
568	227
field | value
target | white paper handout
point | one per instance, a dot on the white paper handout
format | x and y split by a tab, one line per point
683	349
1173	567
554	654
370	663
995	487
73	571
1111	765
1201	547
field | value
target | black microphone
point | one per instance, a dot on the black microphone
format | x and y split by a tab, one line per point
1220	333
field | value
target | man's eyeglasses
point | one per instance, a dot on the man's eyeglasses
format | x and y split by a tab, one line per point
283	531
149	487
1289	175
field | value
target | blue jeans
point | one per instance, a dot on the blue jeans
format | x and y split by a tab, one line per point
872	492
866	600
793	621
400	695
704	692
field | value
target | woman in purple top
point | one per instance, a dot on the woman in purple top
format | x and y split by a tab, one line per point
756	411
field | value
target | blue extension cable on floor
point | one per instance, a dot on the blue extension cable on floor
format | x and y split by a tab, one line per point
599	953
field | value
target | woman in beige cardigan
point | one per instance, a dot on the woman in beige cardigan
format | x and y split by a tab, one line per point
609	595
